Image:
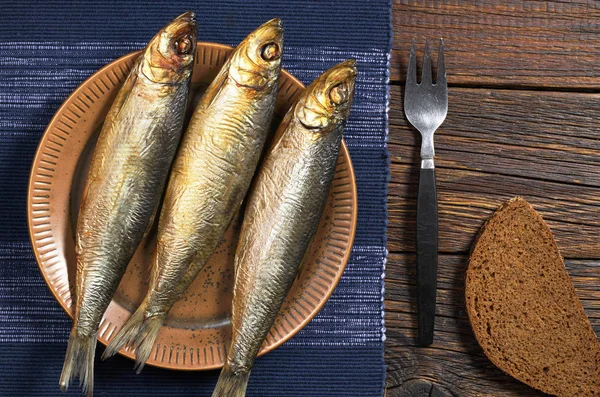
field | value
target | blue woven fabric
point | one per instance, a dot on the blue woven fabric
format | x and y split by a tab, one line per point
48	49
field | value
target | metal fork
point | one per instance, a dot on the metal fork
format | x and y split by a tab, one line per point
425	106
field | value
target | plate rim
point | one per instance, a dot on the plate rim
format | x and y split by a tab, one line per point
344	262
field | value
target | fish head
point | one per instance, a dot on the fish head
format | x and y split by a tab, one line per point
169	56
326	102
256	62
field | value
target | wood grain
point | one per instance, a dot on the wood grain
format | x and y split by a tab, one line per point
455	362
539	145
523	106
417	388
510	43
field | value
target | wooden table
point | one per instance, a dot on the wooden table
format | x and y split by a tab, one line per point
524	79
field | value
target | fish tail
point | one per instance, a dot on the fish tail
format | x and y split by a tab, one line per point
140	332
79	362
145	339
231	384
127	334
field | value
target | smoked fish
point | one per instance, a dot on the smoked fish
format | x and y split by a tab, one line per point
282	214
211	175
128	172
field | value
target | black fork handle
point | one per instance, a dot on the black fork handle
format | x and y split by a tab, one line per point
427	255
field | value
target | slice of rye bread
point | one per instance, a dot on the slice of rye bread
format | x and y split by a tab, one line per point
523	307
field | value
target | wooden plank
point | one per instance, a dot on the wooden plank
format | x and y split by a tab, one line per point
494	145
509	43
416	388
455	362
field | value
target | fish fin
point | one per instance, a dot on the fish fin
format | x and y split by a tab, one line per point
231	384
151	223
301	268
127	334
139	332
305	257
279	134
124	91
79	362
213	89
102	149
145	339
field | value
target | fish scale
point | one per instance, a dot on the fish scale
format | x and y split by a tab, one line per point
282	214
129	169
211	175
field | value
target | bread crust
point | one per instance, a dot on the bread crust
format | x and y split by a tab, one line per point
523	308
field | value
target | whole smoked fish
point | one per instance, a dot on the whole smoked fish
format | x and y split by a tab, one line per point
282	215
127	176
211	175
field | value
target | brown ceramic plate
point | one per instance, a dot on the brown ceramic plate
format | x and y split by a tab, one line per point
197	330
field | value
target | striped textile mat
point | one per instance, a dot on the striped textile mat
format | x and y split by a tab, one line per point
47	50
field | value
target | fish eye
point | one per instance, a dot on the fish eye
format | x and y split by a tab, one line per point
183	45
270	52
339	94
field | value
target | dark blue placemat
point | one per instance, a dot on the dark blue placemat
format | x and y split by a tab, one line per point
47	49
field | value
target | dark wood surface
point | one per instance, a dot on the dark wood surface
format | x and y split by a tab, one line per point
505	43
524	98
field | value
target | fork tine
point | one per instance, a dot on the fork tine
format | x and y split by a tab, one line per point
411	74
440	79
426	75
